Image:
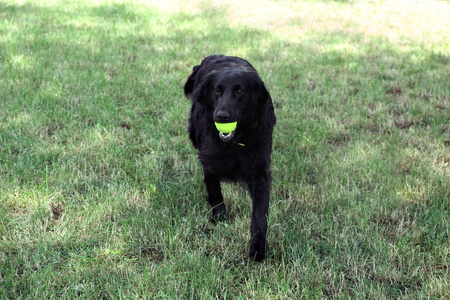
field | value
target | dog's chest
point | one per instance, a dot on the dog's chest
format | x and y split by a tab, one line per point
227	161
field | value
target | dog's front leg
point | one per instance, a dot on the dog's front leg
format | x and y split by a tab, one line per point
215	198
260	192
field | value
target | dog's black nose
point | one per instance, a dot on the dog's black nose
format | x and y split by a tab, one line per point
223	116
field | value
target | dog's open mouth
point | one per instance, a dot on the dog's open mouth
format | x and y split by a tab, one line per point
226	137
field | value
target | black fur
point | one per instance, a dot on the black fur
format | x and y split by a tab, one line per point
226	89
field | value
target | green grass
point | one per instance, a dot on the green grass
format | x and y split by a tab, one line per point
101	193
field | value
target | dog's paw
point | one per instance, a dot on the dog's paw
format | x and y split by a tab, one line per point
219	214
258	249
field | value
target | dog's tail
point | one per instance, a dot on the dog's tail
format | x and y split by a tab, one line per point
190	83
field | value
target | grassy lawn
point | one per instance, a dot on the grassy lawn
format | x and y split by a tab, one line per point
101	193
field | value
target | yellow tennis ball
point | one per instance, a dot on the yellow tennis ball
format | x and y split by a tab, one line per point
226	127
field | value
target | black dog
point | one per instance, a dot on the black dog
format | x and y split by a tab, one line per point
226	89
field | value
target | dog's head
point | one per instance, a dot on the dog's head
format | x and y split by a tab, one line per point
234	95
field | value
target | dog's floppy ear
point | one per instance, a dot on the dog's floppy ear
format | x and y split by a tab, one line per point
264	100
198	86
190	83
202	92
262	93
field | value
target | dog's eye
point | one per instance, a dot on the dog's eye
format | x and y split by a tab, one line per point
240	91
217	91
